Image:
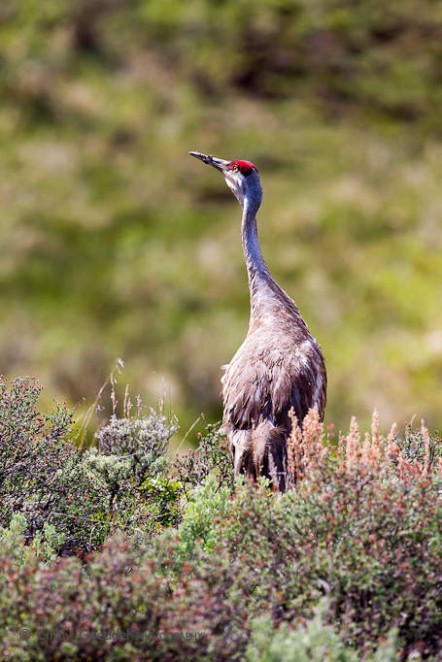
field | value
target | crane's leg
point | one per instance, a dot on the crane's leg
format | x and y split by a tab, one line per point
270	454
261	451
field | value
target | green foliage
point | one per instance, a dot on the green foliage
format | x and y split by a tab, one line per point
42	477
186	566
211	458
164	496
313	641
106	219
207	503
340	52
73	500
131	454
43	547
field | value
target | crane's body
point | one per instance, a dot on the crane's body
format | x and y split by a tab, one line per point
279	366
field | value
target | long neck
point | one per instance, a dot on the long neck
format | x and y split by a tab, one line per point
256	267
261	284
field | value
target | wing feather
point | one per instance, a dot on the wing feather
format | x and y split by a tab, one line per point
270	374
267	386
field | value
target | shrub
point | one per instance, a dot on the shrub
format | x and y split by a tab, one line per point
211	457
43	547
207	503
363	527
73	612
42	476
131	464
143	440
274	558
313	641
346	566
81	497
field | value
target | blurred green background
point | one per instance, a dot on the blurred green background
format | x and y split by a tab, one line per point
115	243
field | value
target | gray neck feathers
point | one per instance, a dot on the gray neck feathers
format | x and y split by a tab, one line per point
268	301
261	283
256	267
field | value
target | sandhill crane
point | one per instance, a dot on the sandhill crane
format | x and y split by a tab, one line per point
279	366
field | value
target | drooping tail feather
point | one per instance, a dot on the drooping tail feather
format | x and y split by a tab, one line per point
261	451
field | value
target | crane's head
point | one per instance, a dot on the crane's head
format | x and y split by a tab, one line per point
241	177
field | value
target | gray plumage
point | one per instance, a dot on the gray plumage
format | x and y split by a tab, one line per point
279	366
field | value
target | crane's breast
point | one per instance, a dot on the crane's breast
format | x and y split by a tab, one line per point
264	383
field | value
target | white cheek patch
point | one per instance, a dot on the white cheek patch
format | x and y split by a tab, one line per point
230	184
235	187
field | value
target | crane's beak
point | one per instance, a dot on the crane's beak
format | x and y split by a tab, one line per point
219	164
